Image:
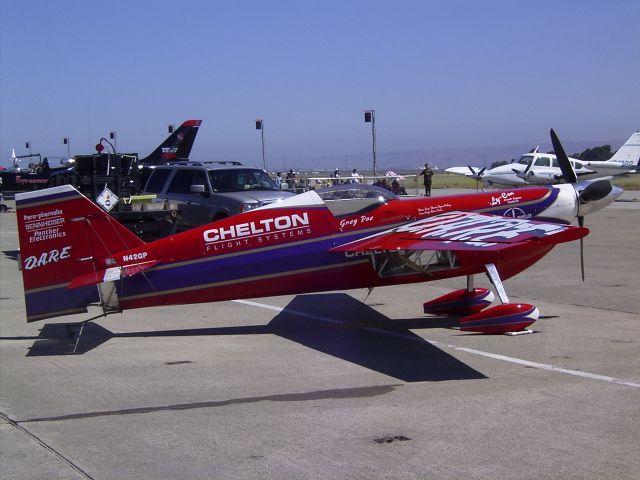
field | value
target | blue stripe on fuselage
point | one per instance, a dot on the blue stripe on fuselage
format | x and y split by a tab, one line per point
47	302
218	268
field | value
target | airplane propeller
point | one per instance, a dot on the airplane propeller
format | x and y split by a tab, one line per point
593	192
476	175
525	173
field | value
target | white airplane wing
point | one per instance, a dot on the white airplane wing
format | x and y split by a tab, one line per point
466	171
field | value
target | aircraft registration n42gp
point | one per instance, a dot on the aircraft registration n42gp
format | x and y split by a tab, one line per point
312	242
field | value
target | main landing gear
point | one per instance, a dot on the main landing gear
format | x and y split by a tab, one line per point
472	302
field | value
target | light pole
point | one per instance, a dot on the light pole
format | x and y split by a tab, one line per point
67	142
370	117
260	126
112	136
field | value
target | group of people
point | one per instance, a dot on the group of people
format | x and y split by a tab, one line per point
290	179
394	187
355	177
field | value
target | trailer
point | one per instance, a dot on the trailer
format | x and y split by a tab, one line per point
121	178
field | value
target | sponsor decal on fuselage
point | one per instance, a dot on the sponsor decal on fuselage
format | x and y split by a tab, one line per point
516	212
355	221
44	225
505	198
248	234
434	209
45	258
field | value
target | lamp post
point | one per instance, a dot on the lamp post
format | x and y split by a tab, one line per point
260	126
370	117
112	136
100	147
67	142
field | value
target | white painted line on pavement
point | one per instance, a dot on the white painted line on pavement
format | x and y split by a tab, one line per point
495	356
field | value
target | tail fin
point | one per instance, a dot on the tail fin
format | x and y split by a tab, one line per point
629	152
62	233
176	147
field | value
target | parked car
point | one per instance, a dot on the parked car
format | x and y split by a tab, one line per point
210	191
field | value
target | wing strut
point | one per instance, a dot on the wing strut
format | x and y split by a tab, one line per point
494	277
469	283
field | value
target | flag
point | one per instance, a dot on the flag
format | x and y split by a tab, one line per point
391	173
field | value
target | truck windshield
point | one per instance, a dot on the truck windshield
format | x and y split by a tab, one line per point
240	180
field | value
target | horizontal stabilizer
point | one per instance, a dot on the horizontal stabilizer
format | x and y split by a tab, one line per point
111	274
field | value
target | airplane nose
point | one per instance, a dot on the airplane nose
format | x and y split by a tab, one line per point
615	194
596	195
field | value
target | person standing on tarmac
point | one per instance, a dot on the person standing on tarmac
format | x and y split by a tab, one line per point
336	177
427	176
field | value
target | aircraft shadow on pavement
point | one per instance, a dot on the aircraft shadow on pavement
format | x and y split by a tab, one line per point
11	254
335	324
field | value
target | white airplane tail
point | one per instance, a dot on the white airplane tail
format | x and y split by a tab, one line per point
629	153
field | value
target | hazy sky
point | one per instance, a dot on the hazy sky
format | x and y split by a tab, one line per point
438	74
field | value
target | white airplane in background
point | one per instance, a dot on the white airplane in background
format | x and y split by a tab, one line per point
535	168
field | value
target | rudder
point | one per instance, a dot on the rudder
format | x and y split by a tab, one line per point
176	147
62	233
629	152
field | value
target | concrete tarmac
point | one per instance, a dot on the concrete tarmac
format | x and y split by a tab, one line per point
326	386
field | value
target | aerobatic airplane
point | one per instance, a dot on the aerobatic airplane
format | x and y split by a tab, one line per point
538	168
74	255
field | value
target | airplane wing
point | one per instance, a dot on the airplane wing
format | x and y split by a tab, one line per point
466	171
457	231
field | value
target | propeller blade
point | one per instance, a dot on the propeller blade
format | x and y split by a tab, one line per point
481	171
582	257
595	191
568	172
473	172
529	165
519	174
581	223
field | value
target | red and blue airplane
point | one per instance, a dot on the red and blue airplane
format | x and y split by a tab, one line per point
75	255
